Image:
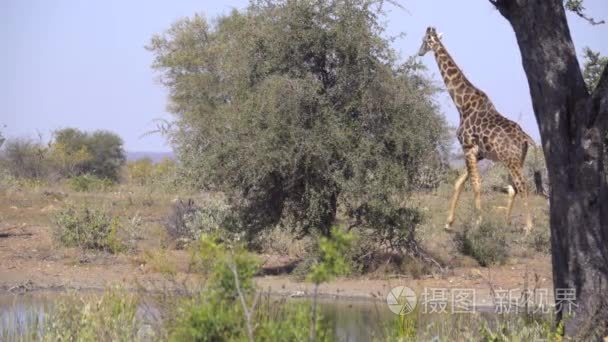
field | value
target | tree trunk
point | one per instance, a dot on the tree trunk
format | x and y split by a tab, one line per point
571	123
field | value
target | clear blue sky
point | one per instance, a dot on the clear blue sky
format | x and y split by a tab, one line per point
70	63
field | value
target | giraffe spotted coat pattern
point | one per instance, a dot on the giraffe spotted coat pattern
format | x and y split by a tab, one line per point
483	132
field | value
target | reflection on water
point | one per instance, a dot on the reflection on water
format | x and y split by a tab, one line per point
18	312
356	320
350	320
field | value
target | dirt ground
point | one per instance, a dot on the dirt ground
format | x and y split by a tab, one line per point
30	260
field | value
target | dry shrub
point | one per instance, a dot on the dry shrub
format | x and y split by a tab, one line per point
486	242
188	221
89	229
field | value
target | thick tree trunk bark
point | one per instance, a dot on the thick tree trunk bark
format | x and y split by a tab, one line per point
571	122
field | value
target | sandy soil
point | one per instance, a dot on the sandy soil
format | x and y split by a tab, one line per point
30	261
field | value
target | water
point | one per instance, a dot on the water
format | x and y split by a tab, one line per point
356	320
351	320
17	313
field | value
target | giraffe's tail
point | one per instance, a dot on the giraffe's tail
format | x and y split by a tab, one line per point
529	140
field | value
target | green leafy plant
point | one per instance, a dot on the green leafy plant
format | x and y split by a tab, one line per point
331	263
99	153
88	228
112	317
86	182
229	308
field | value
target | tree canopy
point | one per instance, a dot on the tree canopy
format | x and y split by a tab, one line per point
99	153
297	107
593	66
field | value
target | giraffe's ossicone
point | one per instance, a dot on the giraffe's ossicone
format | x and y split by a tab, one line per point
482	133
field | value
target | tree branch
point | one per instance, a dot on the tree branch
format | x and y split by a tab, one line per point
591	20
576	6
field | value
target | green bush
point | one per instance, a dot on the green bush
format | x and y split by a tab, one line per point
109	318
159	175
217	313
88	228
486	242
332	261
295	108
87	182
217	259
99	153
70	153
207	319
140	171
289	322
445	327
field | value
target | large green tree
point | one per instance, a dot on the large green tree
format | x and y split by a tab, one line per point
296	108
572	119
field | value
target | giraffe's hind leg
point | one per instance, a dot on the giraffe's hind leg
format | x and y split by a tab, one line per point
458	186
471	161
521	188
511	193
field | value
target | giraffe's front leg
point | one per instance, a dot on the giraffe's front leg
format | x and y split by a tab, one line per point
471	163
458	186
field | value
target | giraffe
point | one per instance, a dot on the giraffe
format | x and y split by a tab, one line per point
482	133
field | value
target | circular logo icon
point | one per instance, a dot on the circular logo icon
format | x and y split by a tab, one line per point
401	300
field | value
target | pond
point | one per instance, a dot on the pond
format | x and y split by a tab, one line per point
350	320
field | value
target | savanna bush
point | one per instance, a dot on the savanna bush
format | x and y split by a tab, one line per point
86	182
188	221
147	173
112	317
485	242
540	239
140	171
89	229
99	153
70	153
217	314
295	109
178	223
25	158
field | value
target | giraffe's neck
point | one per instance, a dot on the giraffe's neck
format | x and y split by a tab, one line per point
460	88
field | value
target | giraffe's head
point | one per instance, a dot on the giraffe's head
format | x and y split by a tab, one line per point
431	38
